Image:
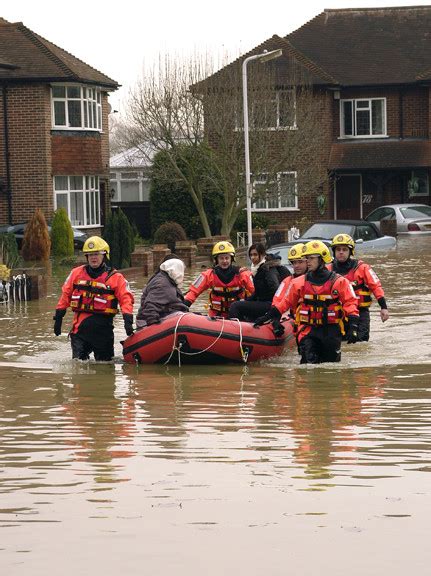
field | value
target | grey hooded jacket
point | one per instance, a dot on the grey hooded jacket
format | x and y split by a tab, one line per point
161	296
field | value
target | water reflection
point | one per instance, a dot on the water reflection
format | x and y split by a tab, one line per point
217	454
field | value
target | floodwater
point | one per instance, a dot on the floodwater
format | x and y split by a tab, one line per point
266	469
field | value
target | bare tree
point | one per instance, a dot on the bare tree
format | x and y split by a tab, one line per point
182	105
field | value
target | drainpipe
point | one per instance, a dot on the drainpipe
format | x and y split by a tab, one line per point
401	114
6	155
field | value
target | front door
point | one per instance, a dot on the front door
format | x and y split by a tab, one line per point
348	197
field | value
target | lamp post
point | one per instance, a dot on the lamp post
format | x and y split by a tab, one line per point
264	57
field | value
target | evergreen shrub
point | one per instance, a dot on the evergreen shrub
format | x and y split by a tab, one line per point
118	234
9	255
169	233
61	235
36	244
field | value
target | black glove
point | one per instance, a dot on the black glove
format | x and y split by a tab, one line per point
58	319
277	328
187	303
128	323
272	314
352	330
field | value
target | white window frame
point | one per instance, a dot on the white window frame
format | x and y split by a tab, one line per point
354	102
90	105
261	179
119	178
239	115
87	189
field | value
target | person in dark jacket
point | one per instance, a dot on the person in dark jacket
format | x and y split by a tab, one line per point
266	280
274	259
162	295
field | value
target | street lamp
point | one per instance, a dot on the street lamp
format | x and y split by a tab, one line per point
264	57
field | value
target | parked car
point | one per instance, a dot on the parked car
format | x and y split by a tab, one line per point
366	235
411	218
79	237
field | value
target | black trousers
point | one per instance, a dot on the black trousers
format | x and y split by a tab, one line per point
103	348
364	325
322	344
248	310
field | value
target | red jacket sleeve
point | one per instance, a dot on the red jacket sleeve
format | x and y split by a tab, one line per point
371	279
122	293
247	281
293	295
280	297
347	296
202	283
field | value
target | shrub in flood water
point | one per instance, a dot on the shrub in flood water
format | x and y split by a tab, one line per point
36	244
61	234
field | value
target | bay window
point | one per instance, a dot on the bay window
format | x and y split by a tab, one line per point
76	107
80	197
363	118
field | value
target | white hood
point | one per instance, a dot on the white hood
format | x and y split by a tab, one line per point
175	269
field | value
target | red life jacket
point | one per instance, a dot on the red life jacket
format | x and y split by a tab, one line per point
94	297
320	308
222	295
361	290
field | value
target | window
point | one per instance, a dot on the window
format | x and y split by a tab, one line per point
276	193
129	187
418	185
363	118
80	196
277	112
364	232
76	107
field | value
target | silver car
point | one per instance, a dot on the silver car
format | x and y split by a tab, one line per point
411	218
366	236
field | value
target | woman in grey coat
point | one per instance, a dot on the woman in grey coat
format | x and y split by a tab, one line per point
162	295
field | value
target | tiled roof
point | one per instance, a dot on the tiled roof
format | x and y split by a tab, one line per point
369	46
26	56
380	155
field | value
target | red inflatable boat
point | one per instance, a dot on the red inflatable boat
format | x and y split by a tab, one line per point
199	339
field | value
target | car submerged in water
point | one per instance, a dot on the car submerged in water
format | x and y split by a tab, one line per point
366	235
79	237
411	218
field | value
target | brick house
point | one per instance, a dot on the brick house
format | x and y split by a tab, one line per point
54	148
370	74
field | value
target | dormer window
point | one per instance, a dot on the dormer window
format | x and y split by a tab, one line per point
76	107
363	118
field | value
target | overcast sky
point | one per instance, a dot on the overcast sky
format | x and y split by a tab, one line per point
121	38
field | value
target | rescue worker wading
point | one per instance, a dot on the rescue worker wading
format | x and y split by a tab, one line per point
299	265
226	282
319	300
363	279
93	292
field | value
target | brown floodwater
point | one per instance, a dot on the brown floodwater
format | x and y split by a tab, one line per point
265	469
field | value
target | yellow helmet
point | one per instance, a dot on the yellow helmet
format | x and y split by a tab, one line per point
295	253
96	244
343	240
223	247
319	248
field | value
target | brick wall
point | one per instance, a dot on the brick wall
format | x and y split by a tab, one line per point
29	122
77	153
37	154
3	197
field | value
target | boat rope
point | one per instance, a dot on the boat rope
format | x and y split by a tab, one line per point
177	347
